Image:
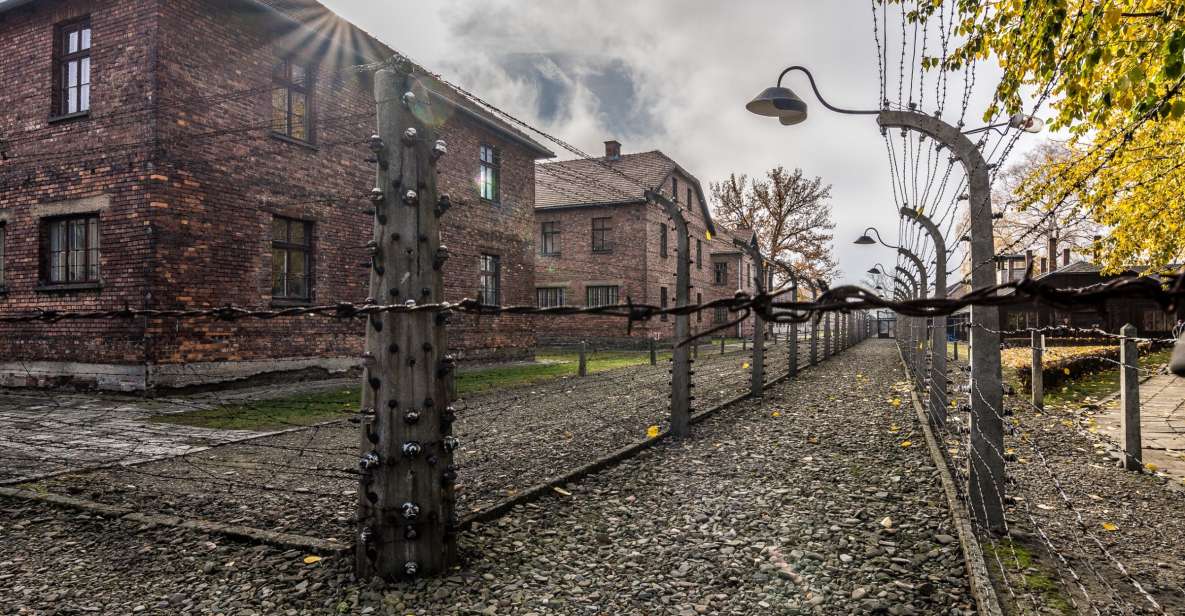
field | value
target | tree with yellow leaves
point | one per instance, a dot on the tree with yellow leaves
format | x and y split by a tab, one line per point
1115	73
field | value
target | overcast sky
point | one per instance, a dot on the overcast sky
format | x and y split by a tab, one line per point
674	75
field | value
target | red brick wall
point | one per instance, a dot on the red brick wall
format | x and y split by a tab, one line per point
636	262
191	226
51	166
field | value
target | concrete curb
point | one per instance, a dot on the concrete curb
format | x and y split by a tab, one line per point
986	601
245	533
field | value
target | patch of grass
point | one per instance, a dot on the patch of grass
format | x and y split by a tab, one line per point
1019	563
1097	385
309	409
275	414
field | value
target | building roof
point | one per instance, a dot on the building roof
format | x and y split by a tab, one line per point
315	19
604	181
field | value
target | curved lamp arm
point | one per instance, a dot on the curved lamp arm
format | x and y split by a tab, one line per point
826	104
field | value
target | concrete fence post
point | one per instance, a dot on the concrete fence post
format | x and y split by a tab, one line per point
814	341
681	355
793	338
653	352
582	369
406	518
1129	394
722	345
1037	376
827	335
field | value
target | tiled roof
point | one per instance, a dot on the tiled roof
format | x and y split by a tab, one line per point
586	181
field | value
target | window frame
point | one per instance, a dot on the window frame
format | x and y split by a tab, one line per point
549	237
675	189
489	173
489	278
288	246
699	254
92	253
289	85
720	273
612	295
662	302
605	245
62	59
544	296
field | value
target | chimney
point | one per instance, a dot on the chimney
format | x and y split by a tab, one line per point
1028	260
1044	265
1065	256
1051	252
613	150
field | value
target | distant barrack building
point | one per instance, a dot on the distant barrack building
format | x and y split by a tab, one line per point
213	152
601	240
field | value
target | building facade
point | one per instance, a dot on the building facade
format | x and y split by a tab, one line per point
602	241
202	153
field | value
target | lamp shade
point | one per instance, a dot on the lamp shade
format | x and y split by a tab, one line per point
778	102
873	271
864	240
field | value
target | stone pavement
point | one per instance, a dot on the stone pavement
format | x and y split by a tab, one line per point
45	433
1162	423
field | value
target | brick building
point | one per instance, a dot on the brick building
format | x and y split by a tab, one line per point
601	240
212	152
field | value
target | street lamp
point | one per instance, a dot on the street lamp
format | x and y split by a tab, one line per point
986	483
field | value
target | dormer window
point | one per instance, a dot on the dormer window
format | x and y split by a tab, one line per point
72	68
292	87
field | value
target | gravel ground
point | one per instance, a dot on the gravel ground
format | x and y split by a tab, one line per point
804	503
1094	532
302	482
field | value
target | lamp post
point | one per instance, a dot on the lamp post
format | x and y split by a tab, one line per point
986	483
938	331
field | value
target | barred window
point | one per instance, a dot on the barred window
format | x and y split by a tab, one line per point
720	275
720	315
675	189
601	240
72	81
291	101
1155	320
662	299
550	241
662	240
549	297
292	258
601	296
487	173
699	254
72	245
699	314
489	290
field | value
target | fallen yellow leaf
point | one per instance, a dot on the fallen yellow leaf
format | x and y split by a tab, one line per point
745	365
906	443
652	432
1151	467
1108	526
312	560
776	414
1066	371
887	522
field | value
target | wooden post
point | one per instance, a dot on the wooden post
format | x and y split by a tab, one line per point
653	353
722	345
582	370
1129	394
681	354
744	342
1037	376
406	519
